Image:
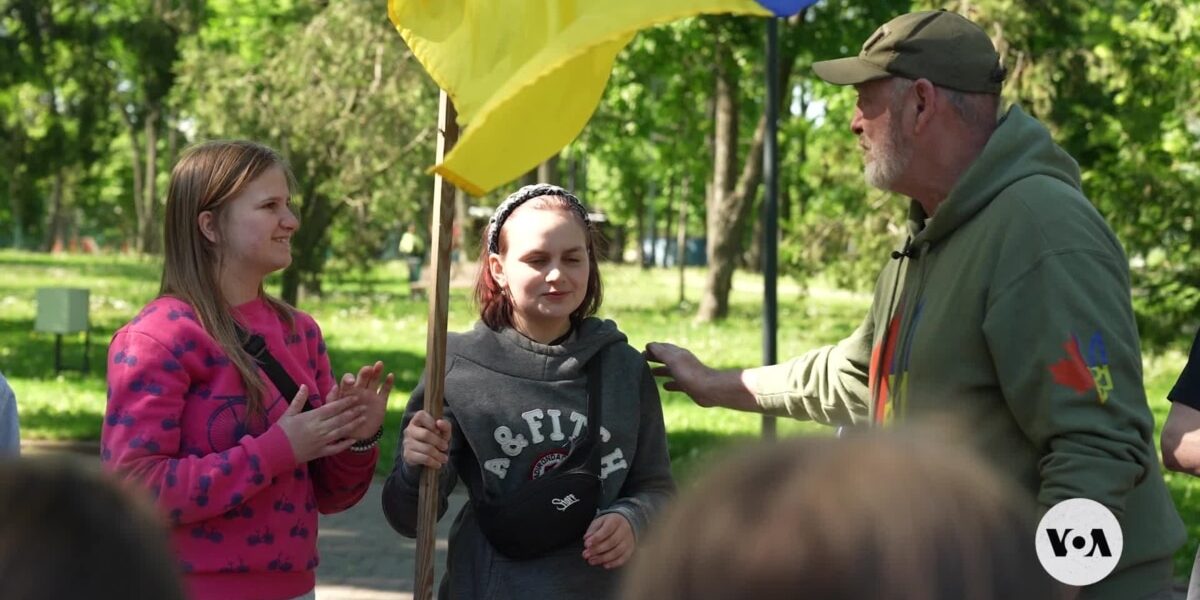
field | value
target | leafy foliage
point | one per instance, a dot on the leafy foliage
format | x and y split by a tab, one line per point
97	99
350	109
1115	83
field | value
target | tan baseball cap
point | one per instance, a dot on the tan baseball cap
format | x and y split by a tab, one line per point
941	46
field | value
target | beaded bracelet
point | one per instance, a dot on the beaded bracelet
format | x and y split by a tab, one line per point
367	444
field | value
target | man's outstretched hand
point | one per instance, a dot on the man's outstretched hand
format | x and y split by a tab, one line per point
706	386
684	372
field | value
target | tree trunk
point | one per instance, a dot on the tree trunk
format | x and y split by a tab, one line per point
573	172
730	200
580	188
639	209
69	220
456	232
309	246
786	199
722	207
753	256
135	156
172	142
15	206
681	237
151	232
547	172
54	221
289	285
616	246
663	221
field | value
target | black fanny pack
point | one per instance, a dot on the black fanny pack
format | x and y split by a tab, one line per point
555	509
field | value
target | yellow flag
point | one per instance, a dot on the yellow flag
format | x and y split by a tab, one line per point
526	75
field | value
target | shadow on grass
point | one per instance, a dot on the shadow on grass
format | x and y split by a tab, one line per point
825	320
33	358
30	354
123	268
78	424
695	451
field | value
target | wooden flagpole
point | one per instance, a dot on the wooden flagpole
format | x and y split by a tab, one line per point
435	343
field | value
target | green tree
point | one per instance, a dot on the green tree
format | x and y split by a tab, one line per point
144	46
1116	84
348	106
693	108
648	134
55	126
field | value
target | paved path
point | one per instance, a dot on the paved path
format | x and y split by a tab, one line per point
362	558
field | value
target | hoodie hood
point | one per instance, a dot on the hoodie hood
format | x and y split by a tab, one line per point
508	352
1020	147
515	406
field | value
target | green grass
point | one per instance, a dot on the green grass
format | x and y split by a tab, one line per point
370	317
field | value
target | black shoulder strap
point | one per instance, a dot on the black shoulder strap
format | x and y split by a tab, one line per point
256	347
594	402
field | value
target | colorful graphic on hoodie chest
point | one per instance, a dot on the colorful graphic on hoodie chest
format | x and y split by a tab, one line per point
889	390
544	437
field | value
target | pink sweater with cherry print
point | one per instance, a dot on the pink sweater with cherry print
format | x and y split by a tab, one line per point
243	512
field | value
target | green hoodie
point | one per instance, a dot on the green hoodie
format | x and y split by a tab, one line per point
1010	310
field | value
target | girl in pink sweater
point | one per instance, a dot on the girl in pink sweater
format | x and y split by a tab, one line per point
240	470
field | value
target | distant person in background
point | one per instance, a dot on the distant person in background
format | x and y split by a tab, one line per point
1181	434
70	532
879	515
10	428
412	248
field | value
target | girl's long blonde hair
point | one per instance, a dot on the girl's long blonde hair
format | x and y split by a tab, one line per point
205	178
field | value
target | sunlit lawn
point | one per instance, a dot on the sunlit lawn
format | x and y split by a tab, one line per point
370	317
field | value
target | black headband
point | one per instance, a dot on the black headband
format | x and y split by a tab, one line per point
518	198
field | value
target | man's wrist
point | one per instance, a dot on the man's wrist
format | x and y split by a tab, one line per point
749	379
730	388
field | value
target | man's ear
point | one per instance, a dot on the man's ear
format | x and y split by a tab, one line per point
496	267
208	225
927	97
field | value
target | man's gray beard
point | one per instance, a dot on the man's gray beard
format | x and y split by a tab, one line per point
889	163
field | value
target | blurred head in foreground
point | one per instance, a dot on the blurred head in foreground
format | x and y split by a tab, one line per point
879	515
69	531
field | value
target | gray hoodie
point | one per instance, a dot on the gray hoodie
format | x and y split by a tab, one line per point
519	403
